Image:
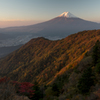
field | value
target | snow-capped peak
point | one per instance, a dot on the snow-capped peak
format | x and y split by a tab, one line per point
67	14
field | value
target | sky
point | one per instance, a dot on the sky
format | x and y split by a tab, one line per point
27	12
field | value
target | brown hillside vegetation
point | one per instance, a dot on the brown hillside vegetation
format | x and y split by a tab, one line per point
41	59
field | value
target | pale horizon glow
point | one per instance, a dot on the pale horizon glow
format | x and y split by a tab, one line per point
28	12
14	23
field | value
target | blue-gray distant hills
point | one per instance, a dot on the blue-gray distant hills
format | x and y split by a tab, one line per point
57	28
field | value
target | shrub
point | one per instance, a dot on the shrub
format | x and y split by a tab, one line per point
38	94
48	92
97	68
86	81
95	54
55	89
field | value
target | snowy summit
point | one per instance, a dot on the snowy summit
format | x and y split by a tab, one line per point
67	14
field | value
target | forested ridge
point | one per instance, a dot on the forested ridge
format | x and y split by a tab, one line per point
60	67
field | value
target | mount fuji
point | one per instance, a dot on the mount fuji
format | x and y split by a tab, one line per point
56	28
67	15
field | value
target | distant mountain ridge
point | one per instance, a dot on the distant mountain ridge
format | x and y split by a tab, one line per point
56	28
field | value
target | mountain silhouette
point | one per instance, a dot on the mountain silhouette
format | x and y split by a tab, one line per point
58	27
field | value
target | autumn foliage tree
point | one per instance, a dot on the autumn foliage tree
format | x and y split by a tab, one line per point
25	88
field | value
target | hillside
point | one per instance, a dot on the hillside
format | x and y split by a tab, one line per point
41	59
67	69
78	82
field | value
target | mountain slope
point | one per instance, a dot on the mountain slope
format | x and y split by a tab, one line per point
80	81
41	59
